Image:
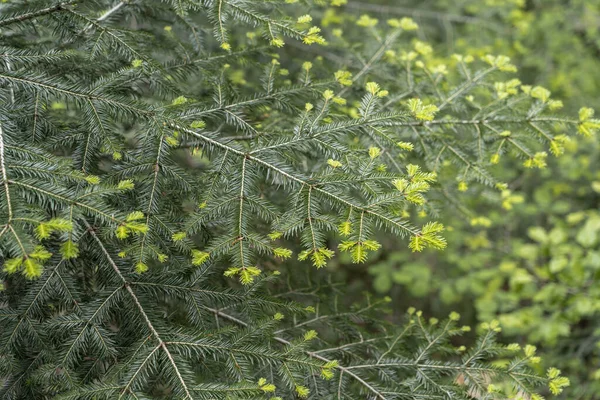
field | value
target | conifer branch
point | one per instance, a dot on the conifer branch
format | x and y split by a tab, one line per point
466	86
314	355
73	93
297	179
374	58
37	13
127	286
5	178
113	10
197	163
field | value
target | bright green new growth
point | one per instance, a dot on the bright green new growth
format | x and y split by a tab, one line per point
144	165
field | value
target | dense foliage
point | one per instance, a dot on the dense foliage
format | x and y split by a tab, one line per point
174	172
532	266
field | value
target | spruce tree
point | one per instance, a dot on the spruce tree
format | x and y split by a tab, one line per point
176	175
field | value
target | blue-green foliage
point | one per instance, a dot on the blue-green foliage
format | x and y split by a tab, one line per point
173	172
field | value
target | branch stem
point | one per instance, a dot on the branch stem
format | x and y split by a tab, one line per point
129	290
38	13
311	354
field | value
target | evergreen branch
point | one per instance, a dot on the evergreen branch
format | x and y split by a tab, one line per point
66	200
161	343
241	214
358	123
149	208
264	166
25	314
321	318
4	177
314	355
375	57
88	323
264	19
288	91
211	59
37	13
296	179
96	24
466	86
73	93
113	10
